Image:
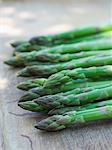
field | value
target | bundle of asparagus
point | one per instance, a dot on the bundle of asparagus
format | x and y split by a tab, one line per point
74	71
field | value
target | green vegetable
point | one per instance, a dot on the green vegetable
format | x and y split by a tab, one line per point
26	85
59	111
60	38
31	106
58	122
18	43
27	47
47	70
78	47
34	106
79	99
18	62
24	59
79	73
37	92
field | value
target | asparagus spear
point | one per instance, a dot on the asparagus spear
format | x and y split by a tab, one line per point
33	106
79	73
18	43
64	37
72	99
47	70
63	49
27	47
26	85
103	35
85	46
58	122
21	62
37	92
40	91
24	59
59	111
77	47
54	58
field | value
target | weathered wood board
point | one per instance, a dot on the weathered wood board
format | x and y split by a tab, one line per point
19	20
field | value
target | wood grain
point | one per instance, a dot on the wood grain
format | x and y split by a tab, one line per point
21	20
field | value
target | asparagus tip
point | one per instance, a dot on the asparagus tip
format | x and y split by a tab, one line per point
21	86
24	105
39	127
41	102
8	62
23	73
21	104
50	124
12	44
14	62
19	74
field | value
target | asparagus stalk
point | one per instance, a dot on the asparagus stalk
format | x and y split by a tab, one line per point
18	43
24	59
47	70
37	92
26	85
21	62
79	73
103	35
59	122
31	106
77	47
54	58
79	99
27	47
59	111
71	48
34	106
60	38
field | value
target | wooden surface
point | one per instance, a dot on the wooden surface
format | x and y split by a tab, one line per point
22	20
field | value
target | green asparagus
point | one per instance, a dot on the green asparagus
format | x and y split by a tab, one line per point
66	87
59	111
26	85
78	47
24	59
79	73
59	122
27	47
31	106
15	62
64	37
79	99
37	92
18	43
47	70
